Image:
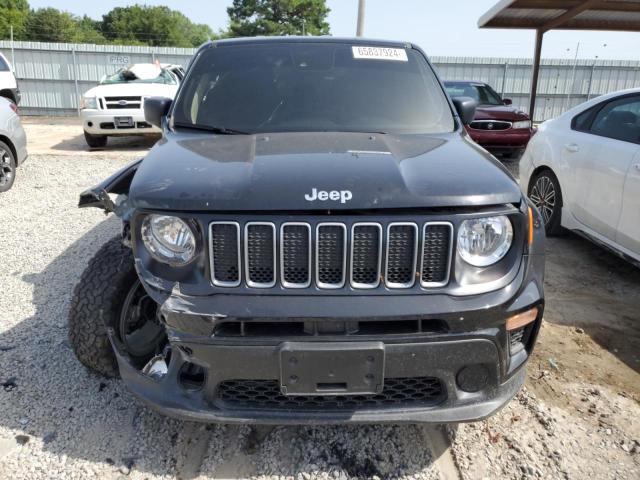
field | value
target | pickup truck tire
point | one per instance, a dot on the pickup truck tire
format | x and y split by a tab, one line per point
545	193
95	141
109	295
7	167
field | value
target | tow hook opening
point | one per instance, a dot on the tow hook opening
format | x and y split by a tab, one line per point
191	377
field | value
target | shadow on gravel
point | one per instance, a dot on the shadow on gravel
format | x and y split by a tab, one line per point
592	289
93	425
77	143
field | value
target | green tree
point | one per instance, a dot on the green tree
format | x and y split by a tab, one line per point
156	26
249	18
15	5
13	18
51	25
88	30
13	13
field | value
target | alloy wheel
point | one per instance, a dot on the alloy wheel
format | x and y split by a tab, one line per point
6	167
543	195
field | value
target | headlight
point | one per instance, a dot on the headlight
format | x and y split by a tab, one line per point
168	239
89	102
484	241
521	124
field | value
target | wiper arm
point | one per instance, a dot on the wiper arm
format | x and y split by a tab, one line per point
210	128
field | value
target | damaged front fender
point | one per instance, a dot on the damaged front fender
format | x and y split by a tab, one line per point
118	183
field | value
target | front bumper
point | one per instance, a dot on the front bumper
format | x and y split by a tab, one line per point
470	333
501	139
439	358
102	122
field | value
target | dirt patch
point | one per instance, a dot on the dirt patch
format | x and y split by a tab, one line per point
64	136
579	414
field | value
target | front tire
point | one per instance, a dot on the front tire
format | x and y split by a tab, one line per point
546	195
110	296
95	141
7	167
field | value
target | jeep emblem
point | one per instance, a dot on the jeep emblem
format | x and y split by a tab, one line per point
343	195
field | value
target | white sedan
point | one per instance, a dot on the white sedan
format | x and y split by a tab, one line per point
582	170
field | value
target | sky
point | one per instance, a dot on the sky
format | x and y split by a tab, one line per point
440	28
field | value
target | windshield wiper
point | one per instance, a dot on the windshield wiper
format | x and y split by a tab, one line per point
210	128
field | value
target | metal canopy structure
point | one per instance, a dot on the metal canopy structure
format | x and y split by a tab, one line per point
545	15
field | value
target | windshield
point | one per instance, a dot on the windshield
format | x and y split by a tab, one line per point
125	76
303	87
483	94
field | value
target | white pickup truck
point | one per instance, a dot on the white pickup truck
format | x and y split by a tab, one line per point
115	105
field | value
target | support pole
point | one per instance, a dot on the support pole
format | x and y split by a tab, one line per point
504	78
75	79
13	54
593	69
536	70
360	29
573	79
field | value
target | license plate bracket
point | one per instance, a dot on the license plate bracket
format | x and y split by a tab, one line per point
123	122
340	368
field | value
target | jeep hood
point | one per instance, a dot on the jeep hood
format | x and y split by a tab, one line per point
196	172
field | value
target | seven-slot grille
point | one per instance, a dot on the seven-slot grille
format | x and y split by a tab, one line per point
296	255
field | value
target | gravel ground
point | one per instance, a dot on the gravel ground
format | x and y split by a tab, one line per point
579	415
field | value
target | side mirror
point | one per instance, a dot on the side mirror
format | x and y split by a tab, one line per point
466	108
507	101
155	109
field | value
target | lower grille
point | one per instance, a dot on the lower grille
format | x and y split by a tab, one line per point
305	327
266	395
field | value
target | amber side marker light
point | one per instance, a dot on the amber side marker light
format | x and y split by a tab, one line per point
530	226
522	319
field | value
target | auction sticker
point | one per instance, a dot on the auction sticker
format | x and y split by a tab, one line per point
380	53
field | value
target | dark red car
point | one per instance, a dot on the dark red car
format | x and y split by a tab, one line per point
497	126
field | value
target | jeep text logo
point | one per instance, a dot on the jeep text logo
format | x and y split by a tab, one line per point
343	195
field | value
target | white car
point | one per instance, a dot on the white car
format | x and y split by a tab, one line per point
8	84
13	143
582	170
115	106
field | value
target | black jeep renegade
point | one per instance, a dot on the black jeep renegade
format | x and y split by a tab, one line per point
314	239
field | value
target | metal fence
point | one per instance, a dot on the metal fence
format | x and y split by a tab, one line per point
52	76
